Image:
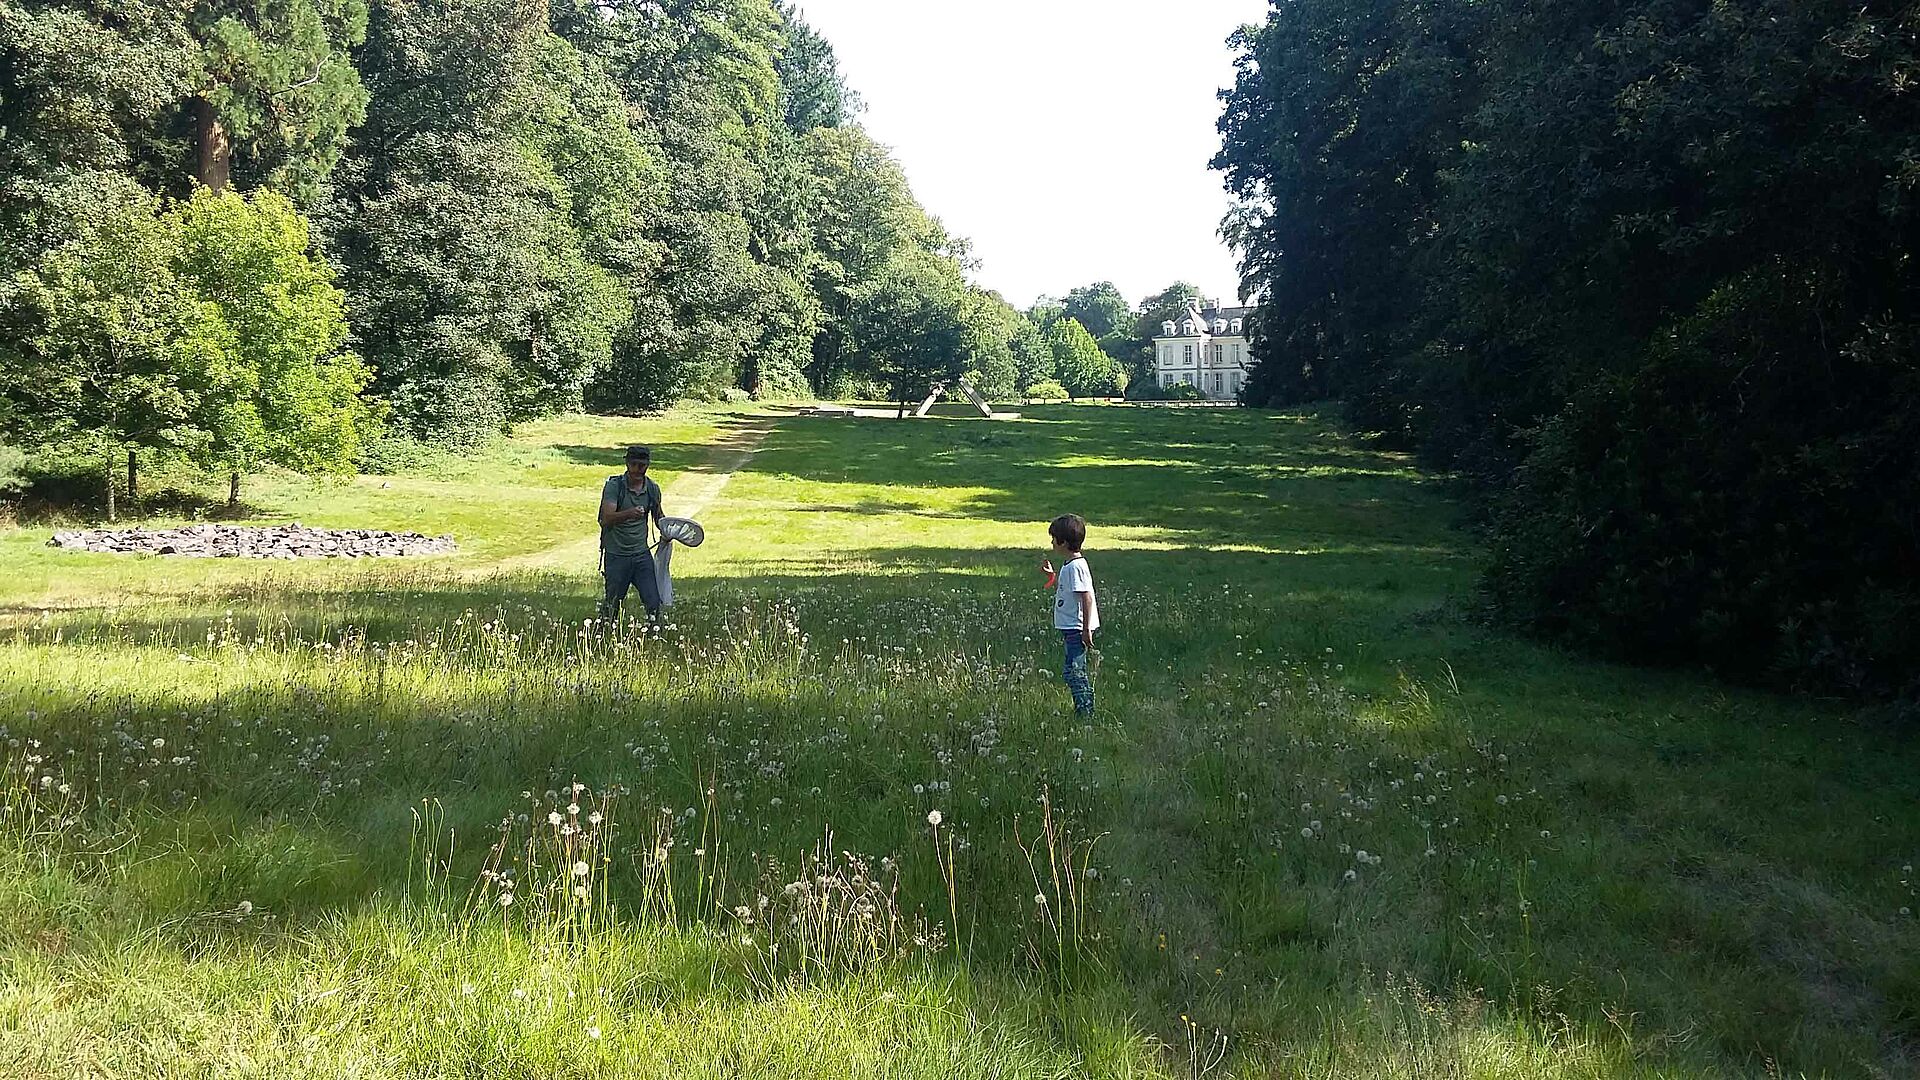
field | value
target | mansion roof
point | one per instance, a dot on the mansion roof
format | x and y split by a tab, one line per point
1210	320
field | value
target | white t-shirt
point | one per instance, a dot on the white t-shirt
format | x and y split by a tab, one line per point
1074	577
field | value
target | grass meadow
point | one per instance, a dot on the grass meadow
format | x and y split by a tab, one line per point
420	818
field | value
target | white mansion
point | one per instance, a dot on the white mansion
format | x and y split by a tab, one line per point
1206	347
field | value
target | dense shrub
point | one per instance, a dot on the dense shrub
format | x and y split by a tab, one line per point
1638	525
13	478
1180	391
1046	390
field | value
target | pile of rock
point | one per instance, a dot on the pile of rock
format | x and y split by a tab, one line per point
292	541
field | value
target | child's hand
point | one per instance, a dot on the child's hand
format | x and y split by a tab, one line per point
1046	566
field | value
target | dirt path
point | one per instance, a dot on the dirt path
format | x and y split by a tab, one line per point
687	495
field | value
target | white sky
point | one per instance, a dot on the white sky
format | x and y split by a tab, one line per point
1068	139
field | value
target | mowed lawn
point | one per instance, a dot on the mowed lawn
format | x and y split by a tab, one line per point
419	819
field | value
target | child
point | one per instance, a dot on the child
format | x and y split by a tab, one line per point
1076	614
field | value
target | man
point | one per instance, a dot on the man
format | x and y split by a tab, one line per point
626	503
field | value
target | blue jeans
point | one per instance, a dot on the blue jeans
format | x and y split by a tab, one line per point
1075	672
629	571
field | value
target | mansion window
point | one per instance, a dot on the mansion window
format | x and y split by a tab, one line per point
1217	387
1187	355
1236	354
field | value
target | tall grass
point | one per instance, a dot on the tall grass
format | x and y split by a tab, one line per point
842	822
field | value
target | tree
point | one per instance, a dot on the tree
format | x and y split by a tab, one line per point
120	354
1045	311
909	327
84	90
277	84
1669	357
813	93
293	394
474	218
864	220
202	329
1032	355
1083	369
1099	308
991	325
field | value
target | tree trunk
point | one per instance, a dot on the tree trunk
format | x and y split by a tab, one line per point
110	471
133	476
213	151
233	489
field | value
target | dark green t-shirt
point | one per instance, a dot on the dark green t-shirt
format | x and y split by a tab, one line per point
628	537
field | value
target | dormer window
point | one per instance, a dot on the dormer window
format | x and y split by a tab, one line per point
1236	325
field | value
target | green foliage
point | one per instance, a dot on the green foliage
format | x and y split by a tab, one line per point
812	92
909	326
294	393
531	207
203	330
84	92
992	325
279	79
1046	390
1032	355
1151	390
482	217
1098	307
1652	263
13	462
118	346
1635	526
1045	312
1082	368
864	219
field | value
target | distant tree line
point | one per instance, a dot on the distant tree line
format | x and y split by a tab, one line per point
244	231
1644	271
1111	349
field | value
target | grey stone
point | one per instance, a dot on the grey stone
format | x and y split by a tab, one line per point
290	541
